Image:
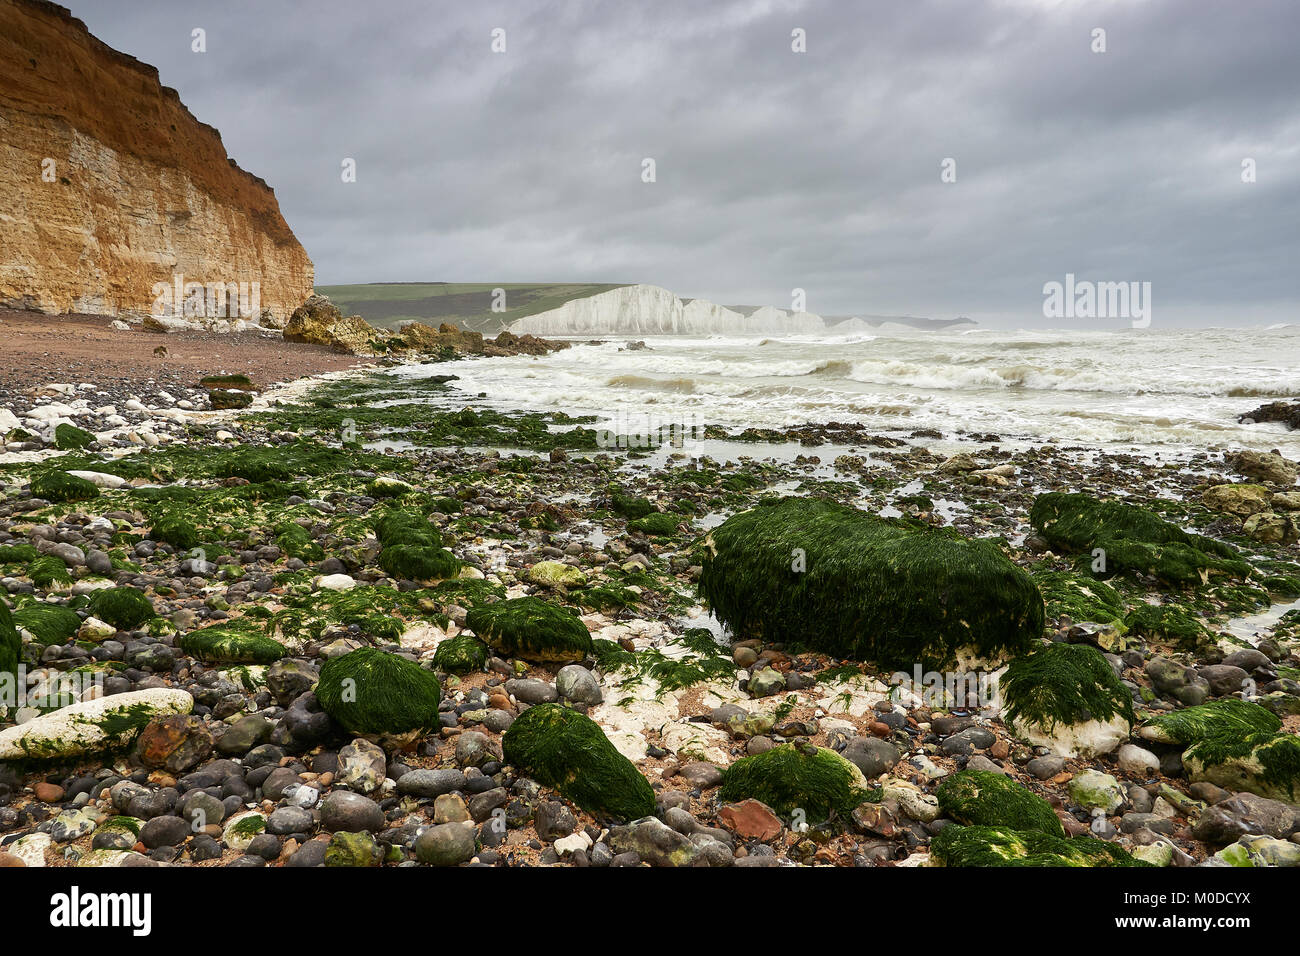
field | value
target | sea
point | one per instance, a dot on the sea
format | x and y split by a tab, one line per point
1173	391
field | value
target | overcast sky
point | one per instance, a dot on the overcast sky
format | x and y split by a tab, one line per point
774	169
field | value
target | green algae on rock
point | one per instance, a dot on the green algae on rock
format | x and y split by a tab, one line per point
238	642
531	628
48	570
797	776
568	751
1079	598
94	725
1168	623
69	437
851	585
460	655
1267	764
48	623
369	691
1005	846
657	524
984	798
1228	718
11	645
59	486
1126	537
175	530
1063	684
125	608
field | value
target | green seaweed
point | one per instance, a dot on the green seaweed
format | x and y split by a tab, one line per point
796	776
369	691
1063	683
802	570
1004	846
568	751
1125	537
531	628
125	608
985	798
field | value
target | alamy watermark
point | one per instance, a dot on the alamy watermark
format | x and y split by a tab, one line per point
969	690
206	300
42	690
1084	299
647	431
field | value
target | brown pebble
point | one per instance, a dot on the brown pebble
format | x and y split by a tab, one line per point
48	792
8	859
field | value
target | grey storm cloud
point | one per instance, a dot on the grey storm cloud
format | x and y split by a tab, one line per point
775	169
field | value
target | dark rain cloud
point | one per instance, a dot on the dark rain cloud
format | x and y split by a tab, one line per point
775	169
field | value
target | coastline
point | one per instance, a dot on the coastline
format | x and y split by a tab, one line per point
539	505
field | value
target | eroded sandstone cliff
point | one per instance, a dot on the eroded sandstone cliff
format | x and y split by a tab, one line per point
110	187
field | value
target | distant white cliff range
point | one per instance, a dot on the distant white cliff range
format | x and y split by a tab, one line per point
651	310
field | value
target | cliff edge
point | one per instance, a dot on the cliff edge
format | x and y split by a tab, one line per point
113	190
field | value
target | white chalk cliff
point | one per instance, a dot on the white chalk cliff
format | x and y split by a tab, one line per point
651	310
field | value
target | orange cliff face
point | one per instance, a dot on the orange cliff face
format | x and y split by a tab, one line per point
110	188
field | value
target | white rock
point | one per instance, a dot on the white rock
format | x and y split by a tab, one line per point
100	479
31	848
1091	738
336	582
572	843
81	728
8	420
1137	760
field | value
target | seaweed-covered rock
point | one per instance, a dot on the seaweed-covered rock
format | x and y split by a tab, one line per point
1168	624
1263	763
1079	598
125	608
70	437
984	798
658	524
48	623
61	486
233	643
419	563
371	692
568	751
413	548
855	586
175	530
797	776
1066	697
460	655
92	725
48	570
1004	846
531	628
1125	537
1228	718
11	645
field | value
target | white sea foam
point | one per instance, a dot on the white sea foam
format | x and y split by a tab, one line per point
1155	388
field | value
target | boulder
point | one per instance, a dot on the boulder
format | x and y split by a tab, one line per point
568	751
1125	537
852	585
1067	698
319	322
91	726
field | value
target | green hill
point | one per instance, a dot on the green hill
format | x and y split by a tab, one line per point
467	304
